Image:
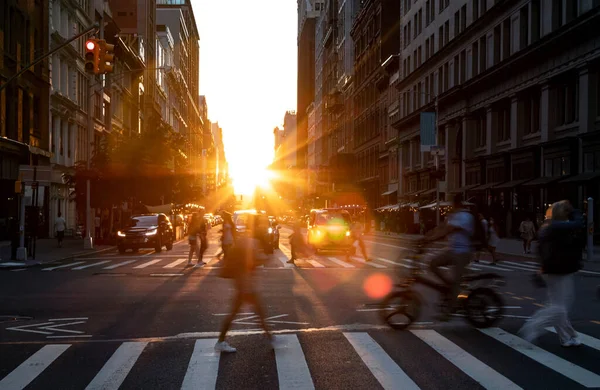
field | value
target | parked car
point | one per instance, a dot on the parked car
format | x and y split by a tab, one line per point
329	229
146	231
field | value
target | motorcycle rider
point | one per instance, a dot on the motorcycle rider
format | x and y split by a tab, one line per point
459	228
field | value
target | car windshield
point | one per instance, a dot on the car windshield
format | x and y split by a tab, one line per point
143	221
333	218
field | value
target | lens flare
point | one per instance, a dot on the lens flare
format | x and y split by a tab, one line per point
377	286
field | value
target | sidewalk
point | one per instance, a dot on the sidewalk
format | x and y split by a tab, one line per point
512	247
47	250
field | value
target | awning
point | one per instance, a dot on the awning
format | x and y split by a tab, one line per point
582	177
512	184
541	181
415	193
444	204
463	188
484	187
388	193
428	192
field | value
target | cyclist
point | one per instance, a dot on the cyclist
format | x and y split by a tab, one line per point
459	228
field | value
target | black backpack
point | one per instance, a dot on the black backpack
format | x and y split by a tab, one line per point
480	235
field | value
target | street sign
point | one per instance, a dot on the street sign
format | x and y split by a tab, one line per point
428	131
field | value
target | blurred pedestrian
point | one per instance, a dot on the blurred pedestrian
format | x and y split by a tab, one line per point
193	240
59	226
240	262
561	241
493	239
203	236
527	230
297	245
356	235
227	234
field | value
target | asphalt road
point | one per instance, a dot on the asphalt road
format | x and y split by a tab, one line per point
144	320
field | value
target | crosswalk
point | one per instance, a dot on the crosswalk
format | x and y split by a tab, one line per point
491	358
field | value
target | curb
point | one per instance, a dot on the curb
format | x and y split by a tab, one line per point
66	258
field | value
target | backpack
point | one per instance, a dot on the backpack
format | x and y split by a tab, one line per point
480	235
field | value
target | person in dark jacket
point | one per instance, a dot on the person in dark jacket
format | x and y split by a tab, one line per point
561	241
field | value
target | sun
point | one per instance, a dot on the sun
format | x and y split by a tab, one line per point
247	177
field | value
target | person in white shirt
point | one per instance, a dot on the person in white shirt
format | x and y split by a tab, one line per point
59	227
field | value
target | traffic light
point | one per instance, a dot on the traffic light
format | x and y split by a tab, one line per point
107	56
92	56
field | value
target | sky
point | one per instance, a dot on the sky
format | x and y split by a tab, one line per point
248	68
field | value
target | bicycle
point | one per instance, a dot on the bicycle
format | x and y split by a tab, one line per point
481	306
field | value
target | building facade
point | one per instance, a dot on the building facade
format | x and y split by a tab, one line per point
24	109
376	37
517	93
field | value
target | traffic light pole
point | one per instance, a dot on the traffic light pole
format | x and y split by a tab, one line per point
44	56
88	242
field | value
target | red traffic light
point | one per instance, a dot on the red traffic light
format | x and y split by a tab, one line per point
90	45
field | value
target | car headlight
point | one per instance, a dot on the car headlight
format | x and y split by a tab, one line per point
152	232
270	230
120	234
347	233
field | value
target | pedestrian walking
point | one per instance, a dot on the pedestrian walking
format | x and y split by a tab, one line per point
297	244
227	234
561	241
240	263
527	230
356	234
60	226
481	236
203	235
193	240
493	240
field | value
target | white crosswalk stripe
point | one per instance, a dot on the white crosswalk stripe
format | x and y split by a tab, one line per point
483	374
580	375
203	366
293	361
120	264
292	370
387	372
314	263
90	265
175	263
369	263
147	264
584	338
62	266
32	367
113	373
341	262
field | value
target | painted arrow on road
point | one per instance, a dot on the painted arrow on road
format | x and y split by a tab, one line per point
53	327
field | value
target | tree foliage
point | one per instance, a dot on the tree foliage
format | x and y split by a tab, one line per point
152	168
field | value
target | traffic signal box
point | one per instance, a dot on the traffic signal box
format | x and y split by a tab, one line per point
92	56
99	56
107	57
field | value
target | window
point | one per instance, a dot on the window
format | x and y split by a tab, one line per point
558	166
427	49
61	139
463	66
69	141
591	162
483	7
475	9
567	100
444	4
406	38
417	151
503	122
427	12
532	113
506	38
463	18
456	71
496	42
441	37
474	59
446	32
415	60
420	20
432	10
482	54
481	130
419	55
446	76
432	43
456	23
408	32
535	21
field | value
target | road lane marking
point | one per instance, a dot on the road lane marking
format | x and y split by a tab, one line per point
315	263
69	319
381	365
292	369
370	263
580	375
393	262
18	270
90	265
63	266
159	275
113	373
120	264
494	267
147	264
203	367
589	272
584	338
340	262
175	263
476	369
528	267
27	371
